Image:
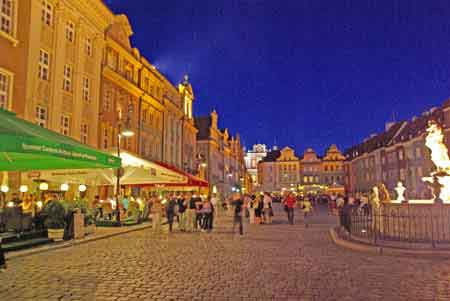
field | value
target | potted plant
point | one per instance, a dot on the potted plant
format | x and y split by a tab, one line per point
89	224
55	220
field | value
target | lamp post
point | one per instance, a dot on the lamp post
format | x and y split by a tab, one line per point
126	132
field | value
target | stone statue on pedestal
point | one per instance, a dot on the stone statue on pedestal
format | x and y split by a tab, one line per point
375	198
400	189
384	193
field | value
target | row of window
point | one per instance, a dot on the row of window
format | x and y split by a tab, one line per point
332	168
41	119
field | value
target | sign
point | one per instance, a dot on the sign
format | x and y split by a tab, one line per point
34	174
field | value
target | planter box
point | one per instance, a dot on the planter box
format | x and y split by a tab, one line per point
90	229
55	234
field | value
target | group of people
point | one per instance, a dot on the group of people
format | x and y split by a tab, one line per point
191	212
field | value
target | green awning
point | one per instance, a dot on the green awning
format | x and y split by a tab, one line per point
26	146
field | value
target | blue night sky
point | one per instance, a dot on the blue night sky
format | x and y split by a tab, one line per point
304	73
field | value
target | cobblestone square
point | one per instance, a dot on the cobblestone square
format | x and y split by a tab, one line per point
271	262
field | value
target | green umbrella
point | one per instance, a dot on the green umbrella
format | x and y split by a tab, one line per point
26	146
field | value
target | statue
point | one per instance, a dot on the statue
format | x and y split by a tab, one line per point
436	189
375	198
384	193
400	189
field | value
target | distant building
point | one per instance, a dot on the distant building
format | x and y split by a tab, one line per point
283	171
252	158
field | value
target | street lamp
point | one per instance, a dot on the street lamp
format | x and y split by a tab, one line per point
125	131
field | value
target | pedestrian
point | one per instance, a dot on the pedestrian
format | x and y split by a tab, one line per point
207	213
306	207
156	211
259	206
238	205
2	258
215	203
182	216
171	211
198	213
191	218
267	203
251	209
289	203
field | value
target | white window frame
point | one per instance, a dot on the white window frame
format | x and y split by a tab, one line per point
67	78
65	125
47	13
70	31
88	47
8	16
44	65
41	116
84	133
86	89
6	88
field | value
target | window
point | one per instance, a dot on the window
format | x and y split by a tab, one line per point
418	153
44	65
402	174
107	101
305	179
5	89
400	155
419	171
67	80
65	125
111	58
84	133
7	16
47	13
70	31
88	47
86	89
41	116
105	138
144	115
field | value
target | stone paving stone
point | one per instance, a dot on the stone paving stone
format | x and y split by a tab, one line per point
271	262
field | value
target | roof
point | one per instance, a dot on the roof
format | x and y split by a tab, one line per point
418	125
202	124
272	156
375	142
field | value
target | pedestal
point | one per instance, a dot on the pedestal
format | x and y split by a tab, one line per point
78	225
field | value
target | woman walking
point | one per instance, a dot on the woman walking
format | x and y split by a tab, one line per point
267	203
251	209
207	212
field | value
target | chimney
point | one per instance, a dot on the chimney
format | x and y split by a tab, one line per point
388	125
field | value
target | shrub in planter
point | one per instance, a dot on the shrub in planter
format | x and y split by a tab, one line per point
55	219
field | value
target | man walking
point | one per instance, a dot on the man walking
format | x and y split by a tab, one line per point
238	209
290	203
182	206
191	218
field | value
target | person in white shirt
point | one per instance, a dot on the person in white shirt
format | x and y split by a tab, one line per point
267	209
215	204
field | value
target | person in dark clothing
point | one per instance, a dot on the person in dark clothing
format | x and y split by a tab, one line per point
238	204
170	212
2	258
182	216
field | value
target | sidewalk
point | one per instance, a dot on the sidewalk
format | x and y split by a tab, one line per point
100	233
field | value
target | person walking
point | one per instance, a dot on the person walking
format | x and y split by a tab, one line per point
251	209
2	258
170	211
267	203
290	203
207	212
215	204
182	206
156	212
306	207
238	205
190	213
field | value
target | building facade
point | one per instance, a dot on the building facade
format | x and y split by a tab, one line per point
252	158
221	156
397	154
282	170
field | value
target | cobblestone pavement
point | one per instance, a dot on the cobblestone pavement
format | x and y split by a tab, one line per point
278	261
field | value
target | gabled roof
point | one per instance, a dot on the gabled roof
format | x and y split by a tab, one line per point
375	142
272	156
418	125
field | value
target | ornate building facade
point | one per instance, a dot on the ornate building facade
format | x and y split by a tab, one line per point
252	158
222	156
282	170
